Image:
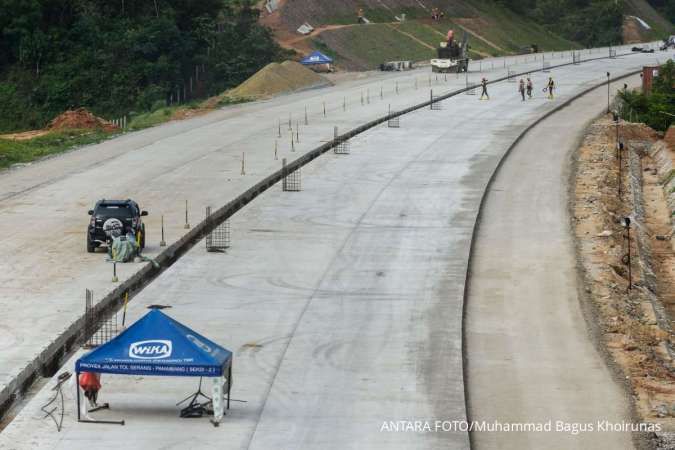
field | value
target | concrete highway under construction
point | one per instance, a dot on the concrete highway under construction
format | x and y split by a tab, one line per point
345	303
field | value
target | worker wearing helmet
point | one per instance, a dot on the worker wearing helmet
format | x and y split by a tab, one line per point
484	92
550	86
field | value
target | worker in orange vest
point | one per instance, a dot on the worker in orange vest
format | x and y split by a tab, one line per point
90	382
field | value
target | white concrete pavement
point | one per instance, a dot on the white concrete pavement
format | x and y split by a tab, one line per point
343	302
530	358
45	270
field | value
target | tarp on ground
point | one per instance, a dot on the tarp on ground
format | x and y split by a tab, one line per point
158	345
316	58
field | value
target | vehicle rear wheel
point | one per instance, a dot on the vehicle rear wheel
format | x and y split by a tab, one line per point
143	237
90	246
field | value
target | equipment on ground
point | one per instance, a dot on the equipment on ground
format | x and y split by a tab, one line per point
396	66
530	49
111	218
453	56
642	49
668	42
124	248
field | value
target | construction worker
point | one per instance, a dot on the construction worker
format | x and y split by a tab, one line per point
550	86
484	92
90	382
530	87
521	88
359	16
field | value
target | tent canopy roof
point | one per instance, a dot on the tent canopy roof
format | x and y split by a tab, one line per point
316	58
158	345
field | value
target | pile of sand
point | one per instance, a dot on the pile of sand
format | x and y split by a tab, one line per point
277	78
80	119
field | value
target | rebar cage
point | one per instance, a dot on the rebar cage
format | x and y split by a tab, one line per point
292	181
576	58
97	331
217	240
342	147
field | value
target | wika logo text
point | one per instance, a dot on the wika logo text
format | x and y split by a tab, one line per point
153	349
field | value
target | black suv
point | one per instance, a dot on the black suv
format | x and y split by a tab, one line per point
125	212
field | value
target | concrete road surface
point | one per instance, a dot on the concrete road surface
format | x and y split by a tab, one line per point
342	303
44	268
530	357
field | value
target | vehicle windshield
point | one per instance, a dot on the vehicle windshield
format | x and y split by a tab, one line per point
119	211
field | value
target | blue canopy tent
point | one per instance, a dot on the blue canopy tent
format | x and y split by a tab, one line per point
316	58
318	62
158	345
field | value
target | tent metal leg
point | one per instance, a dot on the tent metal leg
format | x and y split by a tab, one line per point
77	388
104	422
229	384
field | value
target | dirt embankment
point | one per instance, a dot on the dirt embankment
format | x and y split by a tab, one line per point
636	323
77	119
80	119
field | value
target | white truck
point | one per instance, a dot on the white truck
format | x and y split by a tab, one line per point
452	56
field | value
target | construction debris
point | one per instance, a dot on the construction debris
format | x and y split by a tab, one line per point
305	29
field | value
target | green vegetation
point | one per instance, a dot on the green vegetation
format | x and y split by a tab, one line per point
150	119
512	30
656	108
119	57
666	7
13	152
588	22
367	46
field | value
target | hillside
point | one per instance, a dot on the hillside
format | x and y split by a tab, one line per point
122	58
495	28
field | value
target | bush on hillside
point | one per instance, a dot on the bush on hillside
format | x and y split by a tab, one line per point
657	108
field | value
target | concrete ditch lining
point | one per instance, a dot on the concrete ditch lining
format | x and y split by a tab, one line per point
50	359
481	209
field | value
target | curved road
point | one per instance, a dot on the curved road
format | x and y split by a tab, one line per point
529	355
343	303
